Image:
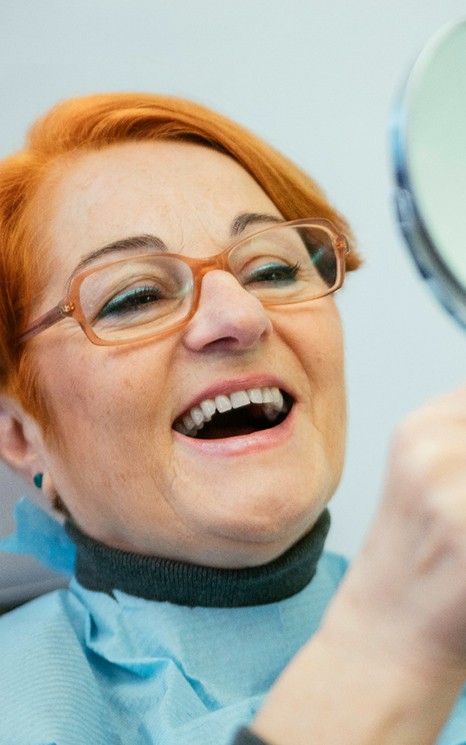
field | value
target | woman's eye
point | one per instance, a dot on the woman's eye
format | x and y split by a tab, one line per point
130	301
274	273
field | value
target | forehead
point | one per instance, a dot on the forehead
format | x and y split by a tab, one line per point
171	188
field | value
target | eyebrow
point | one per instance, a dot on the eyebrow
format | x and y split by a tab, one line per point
135	242
243	221
152	242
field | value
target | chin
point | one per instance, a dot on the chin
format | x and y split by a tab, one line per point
261	535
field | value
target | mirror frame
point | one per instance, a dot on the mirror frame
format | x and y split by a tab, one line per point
435	272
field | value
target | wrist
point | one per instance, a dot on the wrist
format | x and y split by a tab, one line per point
337	685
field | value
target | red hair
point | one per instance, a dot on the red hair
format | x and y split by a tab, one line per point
90	123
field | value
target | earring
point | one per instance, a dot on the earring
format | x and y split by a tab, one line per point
37	479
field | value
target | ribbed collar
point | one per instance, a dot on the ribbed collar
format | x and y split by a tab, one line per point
104	569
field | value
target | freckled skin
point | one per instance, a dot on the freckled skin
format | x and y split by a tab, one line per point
118	467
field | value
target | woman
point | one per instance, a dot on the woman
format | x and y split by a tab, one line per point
172	380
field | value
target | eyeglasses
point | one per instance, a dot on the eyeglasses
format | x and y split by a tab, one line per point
152	294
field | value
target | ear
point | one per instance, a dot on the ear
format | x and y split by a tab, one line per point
21	441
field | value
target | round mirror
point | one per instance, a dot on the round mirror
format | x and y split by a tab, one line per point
429	138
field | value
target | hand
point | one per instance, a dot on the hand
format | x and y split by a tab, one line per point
411	573
390	657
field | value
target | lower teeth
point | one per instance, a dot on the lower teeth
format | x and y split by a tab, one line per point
271	413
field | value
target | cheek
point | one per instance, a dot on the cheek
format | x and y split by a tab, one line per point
111	425
315	336
105	421
318	344
94	392
76	398
331	383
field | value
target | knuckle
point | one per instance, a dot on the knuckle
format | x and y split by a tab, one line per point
428	464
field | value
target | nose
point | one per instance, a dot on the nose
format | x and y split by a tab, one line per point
228	316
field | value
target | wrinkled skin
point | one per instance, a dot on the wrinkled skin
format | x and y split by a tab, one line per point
122	471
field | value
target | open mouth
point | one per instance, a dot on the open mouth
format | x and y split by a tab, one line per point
238	413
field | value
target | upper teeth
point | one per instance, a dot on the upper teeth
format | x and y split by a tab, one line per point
271	399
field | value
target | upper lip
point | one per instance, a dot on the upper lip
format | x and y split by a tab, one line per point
226	387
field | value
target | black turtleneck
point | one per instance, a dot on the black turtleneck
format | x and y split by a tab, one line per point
103	569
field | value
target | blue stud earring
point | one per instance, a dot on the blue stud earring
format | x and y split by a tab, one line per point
37	479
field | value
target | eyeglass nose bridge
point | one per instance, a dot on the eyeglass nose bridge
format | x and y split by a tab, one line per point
201	267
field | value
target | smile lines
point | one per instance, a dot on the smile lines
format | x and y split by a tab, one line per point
269	398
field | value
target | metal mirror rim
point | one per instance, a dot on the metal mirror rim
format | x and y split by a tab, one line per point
429	262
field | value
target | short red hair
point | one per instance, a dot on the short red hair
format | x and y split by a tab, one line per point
90	123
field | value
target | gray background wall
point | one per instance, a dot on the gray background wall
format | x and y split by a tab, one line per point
318	79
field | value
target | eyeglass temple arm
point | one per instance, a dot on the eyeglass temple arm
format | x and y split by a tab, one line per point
42	323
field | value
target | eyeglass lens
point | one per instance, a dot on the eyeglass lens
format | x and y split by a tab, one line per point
137	297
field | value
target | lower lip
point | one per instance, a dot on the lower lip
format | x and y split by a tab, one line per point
255	442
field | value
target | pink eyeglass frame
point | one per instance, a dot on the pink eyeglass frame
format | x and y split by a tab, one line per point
70	306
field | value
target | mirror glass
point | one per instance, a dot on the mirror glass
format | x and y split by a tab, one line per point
429	138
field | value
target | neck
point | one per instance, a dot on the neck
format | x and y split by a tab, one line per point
104	569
